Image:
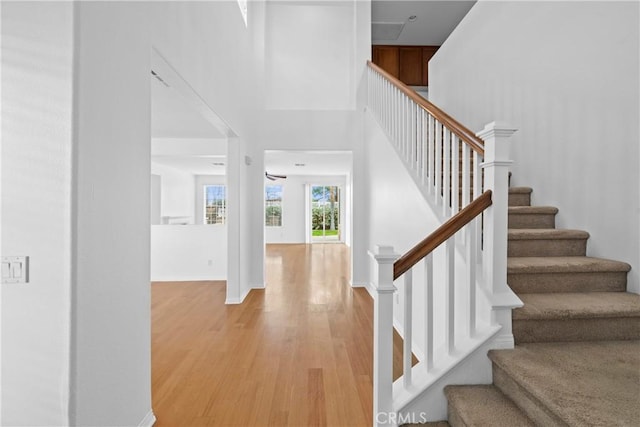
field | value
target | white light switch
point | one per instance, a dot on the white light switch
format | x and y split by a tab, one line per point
15	269
6	270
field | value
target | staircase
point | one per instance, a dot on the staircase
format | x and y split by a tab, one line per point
577	355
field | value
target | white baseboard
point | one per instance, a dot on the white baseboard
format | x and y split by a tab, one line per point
371	289
503	341
367	285
149	420
231	301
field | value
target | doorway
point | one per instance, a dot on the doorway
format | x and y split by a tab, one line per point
326	224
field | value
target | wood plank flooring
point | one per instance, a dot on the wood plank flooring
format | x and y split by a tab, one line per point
298	353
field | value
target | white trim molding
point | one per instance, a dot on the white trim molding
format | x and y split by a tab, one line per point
149	420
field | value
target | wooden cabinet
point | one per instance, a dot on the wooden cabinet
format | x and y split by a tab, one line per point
410	64
386	57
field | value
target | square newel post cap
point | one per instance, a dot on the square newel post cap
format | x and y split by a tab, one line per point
384	254
496	129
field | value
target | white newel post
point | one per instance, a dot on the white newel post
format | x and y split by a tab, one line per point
496	178
383	335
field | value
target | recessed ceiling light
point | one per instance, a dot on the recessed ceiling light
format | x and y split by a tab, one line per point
299	164
413	18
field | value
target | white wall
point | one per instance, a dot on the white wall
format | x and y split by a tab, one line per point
294	207
239	228
306	67
188	252
156	199
177	196
566	75
111	366
37	46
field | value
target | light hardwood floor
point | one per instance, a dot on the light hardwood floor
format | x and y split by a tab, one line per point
298	353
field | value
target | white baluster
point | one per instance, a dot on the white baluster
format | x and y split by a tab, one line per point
408	321
405	128
496	178
455	173
450	321
471	250
466	174
428	303
424	146
375	86
383	333
412	135
446	177
477	190
384	106
396	115
438	161
430	155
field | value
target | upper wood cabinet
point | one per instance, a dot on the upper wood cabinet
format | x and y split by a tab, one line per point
386	57
408	63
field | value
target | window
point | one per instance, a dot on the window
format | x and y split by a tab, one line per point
273	206
215	204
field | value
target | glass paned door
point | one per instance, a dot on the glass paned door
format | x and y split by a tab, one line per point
325	213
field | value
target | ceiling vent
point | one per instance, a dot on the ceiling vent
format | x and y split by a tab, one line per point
386	30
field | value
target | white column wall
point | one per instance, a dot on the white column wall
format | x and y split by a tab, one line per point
111	366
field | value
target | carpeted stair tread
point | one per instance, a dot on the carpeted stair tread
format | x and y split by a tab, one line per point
546	242
581	383
566	274
569	264
519	196
483	405
533	210
528	217
585	305
546	234
520	190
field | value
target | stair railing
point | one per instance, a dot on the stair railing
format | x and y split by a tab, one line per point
464	177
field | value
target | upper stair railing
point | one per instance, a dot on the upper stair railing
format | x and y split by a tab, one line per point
443	155
466	300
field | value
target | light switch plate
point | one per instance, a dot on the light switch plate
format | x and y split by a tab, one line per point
15	269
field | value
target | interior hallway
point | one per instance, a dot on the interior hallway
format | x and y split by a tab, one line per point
298	353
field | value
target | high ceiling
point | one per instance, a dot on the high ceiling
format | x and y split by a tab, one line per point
308	162
173	116
435	20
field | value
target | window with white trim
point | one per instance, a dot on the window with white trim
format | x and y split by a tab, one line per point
215	204
273	205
